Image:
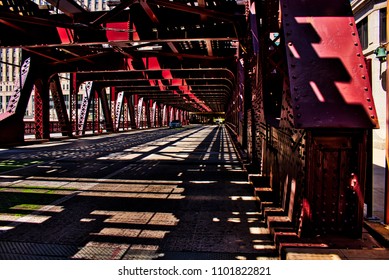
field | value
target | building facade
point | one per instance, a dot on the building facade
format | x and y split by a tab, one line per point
370	16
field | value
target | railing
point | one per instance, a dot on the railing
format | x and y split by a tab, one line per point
55	127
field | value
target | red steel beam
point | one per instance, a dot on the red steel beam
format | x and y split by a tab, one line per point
329	81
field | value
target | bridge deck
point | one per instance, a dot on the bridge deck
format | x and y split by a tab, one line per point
166	194
156	194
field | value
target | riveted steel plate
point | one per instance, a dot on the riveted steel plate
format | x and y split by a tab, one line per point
329	80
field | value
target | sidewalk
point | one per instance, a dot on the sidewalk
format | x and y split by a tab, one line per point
374	243
375	224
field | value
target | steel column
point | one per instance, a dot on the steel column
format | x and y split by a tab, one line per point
106	110
85	106
42	109
386	198
125	113
118	110
96	111
60	106
154	114
11	122
73	104
131	111
148	113
113	106
164	115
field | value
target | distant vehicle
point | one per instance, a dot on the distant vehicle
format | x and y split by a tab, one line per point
175	124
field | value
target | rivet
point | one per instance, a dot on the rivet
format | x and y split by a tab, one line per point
366	89
368	99
296	98
351	24
290	44
358	54
355	43
296	88
353	33
372	116
360	66
370	108
297	106
299	115
363	77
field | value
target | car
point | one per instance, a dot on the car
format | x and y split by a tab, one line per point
175	124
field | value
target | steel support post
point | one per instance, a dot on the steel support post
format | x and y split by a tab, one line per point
131	111
106	110
60	106
164	115
42	109
386	203
153	114
136	113
113	105
96	112
85	106
125	113
147	112
159	115
11	121
73	108
118	109
369	157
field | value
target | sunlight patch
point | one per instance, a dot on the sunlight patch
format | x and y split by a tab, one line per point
33	219
245	198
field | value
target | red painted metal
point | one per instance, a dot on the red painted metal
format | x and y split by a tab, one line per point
96	112
386	197
107	124
85	105
117	31
59	105
66	35
329	81
131	111
118	109
147	113
74	102
41	105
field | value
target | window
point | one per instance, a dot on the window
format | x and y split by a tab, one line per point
362	31
383	25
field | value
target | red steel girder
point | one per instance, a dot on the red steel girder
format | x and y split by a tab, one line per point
329	81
